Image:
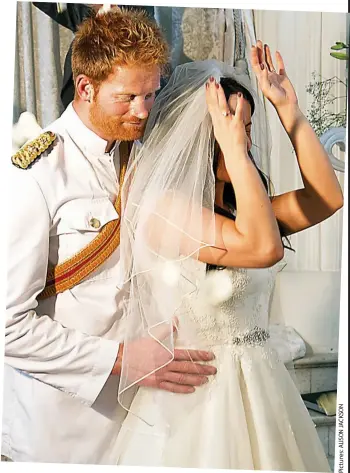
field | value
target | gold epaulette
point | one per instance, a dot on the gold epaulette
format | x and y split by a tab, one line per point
32	150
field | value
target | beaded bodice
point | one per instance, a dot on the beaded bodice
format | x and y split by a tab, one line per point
231	306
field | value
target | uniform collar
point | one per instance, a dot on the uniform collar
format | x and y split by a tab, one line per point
86	139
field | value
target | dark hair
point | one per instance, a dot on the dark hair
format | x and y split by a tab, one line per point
230	86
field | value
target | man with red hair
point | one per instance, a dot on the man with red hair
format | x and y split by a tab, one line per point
71	17
64	325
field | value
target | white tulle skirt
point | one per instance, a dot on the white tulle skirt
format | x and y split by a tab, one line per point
249	416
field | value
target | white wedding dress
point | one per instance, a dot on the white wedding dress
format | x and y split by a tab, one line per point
250	415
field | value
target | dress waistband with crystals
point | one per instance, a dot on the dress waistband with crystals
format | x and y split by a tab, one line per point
255	337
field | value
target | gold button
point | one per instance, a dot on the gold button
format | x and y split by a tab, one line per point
95	223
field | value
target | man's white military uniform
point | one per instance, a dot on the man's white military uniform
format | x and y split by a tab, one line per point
60	402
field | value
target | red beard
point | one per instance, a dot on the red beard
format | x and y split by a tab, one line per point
113	127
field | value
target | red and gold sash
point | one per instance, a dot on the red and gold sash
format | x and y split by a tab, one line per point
72	271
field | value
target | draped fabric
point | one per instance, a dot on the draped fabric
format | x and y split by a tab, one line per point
41	47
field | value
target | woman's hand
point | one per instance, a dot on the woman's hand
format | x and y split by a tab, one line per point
322	195
229	128
274	84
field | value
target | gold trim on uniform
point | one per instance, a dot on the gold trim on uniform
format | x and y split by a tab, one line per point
71	272
32	150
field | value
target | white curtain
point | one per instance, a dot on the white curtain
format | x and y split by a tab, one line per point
41	47
304	39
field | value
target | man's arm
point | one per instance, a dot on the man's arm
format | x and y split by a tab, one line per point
67	359
70	18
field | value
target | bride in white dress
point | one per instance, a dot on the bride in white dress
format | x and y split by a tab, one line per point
201	247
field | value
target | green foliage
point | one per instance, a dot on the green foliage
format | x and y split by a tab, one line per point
339	46
321	113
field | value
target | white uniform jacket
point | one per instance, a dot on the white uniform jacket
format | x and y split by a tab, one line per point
60	402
